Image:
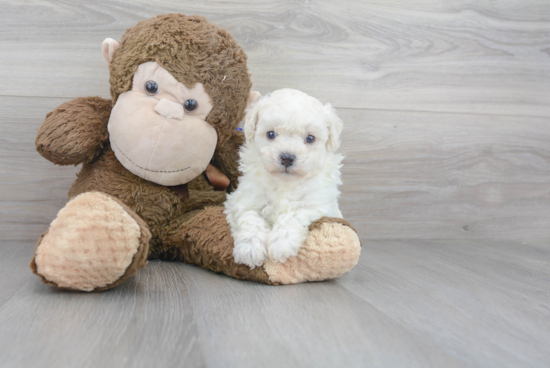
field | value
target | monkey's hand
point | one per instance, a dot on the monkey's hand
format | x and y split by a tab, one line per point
75	132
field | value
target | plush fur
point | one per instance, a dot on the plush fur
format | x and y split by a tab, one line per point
190	230
329	251
154	137
270	212
193	50
103	239
95	243
75	132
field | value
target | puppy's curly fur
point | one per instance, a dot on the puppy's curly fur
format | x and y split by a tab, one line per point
290	176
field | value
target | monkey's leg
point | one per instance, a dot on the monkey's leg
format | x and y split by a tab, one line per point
95	243
331	249
203	238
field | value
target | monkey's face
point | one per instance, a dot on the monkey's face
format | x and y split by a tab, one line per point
158	129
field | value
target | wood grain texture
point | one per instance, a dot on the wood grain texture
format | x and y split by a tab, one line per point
145	322
407	175
311	325
482	57
468	296
32	189
411	303
415	175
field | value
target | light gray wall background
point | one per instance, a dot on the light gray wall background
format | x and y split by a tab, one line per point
446	104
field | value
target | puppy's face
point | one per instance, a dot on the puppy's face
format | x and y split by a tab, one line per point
293	133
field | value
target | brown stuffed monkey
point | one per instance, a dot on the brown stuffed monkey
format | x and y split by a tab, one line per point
157	162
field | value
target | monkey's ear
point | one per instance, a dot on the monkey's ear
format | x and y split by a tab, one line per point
252	116
335	126
252	97
108	47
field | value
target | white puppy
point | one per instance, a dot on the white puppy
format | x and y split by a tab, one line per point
290	176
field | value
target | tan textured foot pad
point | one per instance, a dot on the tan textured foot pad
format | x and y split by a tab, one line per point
331	249
95	243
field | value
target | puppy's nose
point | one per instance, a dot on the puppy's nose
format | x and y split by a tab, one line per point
169	109
287	159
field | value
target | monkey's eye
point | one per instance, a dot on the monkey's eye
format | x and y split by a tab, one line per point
151	87
271	135
310	139
190	105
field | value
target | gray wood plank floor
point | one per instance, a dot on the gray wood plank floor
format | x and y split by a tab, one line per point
447	178
415	303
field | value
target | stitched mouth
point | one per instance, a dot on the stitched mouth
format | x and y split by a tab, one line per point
143	168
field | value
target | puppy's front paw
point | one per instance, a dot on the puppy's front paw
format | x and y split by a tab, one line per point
284	243
252	252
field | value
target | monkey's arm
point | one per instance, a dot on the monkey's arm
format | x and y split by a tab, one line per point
75	132
226	158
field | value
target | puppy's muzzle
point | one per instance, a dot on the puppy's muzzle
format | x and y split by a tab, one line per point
287	159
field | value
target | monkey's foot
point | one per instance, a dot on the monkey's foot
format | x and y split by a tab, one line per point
331	249
95	243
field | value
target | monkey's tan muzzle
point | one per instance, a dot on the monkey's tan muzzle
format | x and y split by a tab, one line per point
156	140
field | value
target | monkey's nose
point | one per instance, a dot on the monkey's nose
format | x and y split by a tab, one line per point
169	109
287	159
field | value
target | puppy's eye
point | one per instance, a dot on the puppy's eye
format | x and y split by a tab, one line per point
271	135
190	105
151	87
310	139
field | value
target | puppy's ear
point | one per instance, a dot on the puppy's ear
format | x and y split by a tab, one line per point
335	126
251	118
